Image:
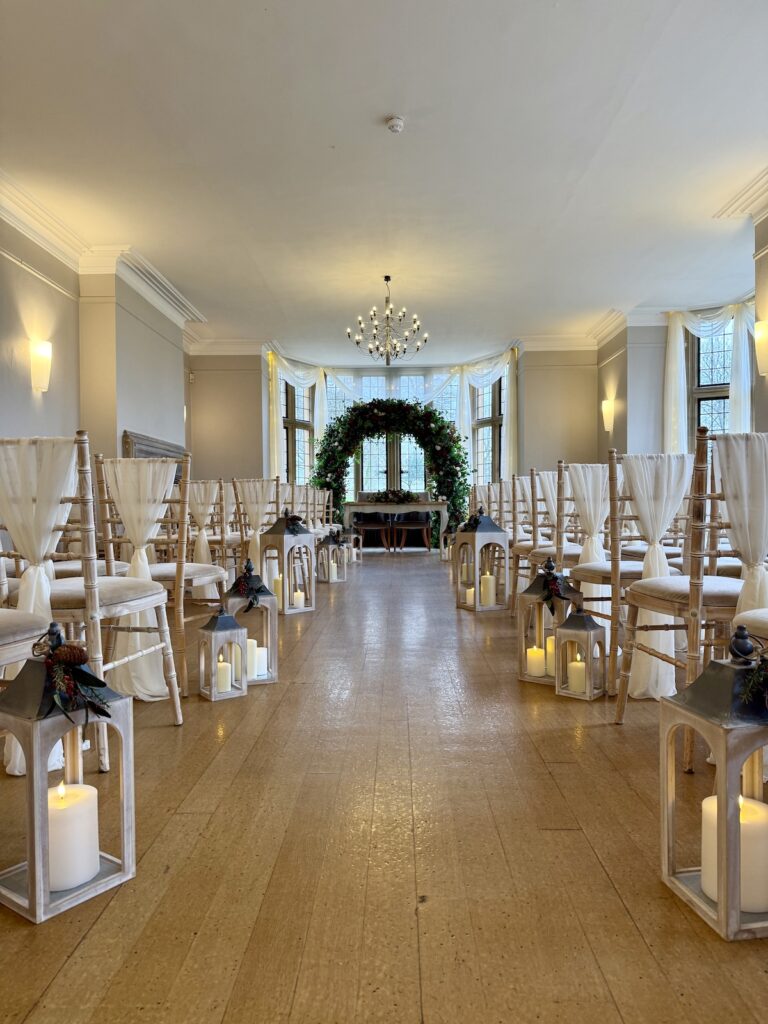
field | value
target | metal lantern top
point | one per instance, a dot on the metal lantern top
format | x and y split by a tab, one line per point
222	622
730	694
34	695
479	522
334	538
286	524
548	584
578	624
248	586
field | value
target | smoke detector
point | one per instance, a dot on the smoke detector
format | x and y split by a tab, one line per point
395	123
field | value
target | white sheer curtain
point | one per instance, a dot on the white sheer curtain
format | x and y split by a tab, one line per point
139	489
481	375
35	473
202	498
743	464
298	376
707	325
478	374
257	497
657	484
589	488
547	481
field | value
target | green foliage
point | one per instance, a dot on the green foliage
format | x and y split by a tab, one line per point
445	459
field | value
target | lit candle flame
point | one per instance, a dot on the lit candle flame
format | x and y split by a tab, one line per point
221	656
61	790
578	656
741	801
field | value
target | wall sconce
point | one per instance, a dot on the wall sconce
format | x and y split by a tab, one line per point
761	347
40	355
608	409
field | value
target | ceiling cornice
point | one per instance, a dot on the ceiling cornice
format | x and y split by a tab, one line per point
196	345
607	327
647	316
23	212
750	201
19	209
556	343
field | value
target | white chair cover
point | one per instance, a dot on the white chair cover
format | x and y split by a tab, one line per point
743	465
524	491
202	498
591	499
657	484
547	481
228	497
286	494
139	487
257	497
481	496
35	473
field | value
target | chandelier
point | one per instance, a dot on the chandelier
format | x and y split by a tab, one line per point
385	334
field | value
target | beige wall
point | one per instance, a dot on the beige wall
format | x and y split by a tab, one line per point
38	300
556	411
612	384
646	351
227	416
761	313
132	366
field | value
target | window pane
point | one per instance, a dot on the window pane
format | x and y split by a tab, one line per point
483	403
373	387
303	404
411	465
713	413
483	455
715	358
303	456
338	400
411	388
447	403
375	464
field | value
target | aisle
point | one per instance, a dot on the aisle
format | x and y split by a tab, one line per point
395	832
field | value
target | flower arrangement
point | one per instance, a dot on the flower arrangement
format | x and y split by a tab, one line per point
394	496
445	458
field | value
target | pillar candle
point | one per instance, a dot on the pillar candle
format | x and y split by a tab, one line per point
469	598
577	676
237	662
549	647
73	836
536	661
753	818
223	675
334	573
298	599
253	647
278	584
487	589
464	572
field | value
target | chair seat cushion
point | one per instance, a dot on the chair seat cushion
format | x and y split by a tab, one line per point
15	626
570	551
716	590
194	572
756	622
726	566
74	567
628	570
115	593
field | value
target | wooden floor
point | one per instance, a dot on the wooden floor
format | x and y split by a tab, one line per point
397	831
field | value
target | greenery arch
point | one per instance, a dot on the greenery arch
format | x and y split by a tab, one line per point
445	459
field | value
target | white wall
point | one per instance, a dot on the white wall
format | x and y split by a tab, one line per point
38	300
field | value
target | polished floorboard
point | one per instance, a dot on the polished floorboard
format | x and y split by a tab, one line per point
396	831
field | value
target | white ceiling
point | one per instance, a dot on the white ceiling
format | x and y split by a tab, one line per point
561	158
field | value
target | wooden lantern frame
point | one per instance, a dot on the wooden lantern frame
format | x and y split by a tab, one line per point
221	634
581	632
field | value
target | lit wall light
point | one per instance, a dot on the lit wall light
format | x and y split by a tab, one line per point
608	408
761	347
40	355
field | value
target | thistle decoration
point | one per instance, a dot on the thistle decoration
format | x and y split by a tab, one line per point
554	584
73	684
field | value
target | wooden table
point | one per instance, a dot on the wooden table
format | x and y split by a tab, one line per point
396	508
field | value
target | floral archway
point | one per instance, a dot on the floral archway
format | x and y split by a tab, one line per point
445	459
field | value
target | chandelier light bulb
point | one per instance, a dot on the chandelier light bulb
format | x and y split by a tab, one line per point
387	339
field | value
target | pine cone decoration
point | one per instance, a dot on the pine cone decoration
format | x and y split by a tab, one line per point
69	654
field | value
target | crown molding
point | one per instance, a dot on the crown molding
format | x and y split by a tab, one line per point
750	201
145	279
555	343
19	209
196	345
607	327
647	316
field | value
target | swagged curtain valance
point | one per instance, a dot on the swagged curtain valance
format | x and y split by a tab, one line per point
707	325
478	374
